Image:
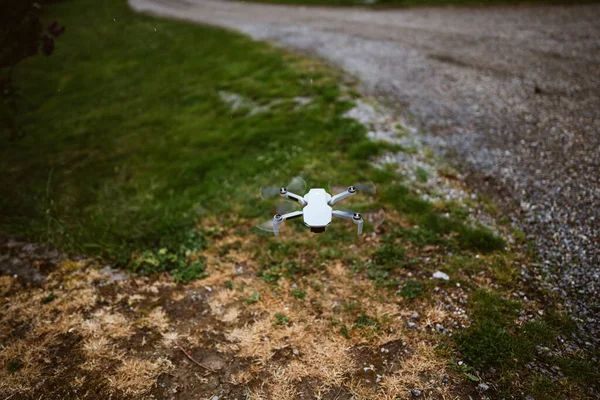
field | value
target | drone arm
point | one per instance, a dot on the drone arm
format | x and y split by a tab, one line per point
292	196
355	217
278	219
341	196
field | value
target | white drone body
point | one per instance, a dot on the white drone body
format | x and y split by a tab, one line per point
317	211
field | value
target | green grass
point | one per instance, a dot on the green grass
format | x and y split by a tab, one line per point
128	144
495	340
434	226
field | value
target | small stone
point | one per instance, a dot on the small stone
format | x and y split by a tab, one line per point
440	275
415	392
412	325
482	387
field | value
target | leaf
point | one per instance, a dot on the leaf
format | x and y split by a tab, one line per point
472	377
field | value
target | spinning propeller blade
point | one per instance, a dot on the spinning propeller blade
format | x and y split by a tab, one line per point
267	226
373	218
283	207
361	187
297	185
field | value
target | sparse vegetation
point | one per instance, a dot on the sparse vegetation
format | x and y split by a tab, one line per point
495	340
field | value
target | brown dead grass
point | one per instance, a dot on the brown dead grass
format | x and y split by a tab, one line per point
136	377
131	332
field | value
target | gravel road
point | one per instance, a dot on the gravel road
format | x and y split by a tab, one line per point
513	93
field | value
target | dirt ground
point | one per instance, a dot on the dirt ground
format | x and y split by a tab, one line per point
78	329
511	92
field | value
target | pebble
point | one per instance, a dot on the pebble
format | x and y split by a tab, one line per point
482	387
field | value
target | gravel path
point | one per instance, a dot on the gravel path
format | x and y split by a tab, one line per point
513	93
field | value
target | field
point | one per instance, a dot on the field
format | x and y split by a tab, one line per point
145	143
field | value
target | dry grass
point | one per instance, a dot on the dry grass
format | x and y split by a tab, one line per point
136	377
130	331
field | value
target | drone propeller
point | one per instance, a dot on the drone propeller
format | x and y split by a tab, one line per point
267	226
281	208
373	218
361	187
297	185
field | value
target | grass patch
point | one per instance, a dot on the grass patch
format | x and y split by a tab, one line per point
437	228
129	143
495	340
412	289
281	319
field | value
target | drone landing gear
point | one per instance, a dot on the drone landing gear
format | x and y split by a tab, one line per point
355	217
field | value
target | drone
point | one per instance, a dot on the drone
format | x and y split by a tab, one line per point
317	208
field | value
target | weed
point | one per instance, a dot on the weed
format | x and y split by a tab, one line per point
344	332
299	294
48	298
412	290
281	319
363	321
178	263
194	270
254	298
422	175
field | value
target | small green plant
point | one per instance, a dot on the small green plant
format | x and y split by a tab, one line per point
48	298
422	175
463	369
412	290
344	332
187	273
281	319
254	298
363	321
299	293
174	259
229	284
